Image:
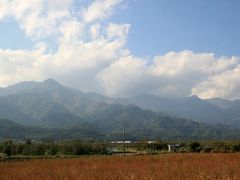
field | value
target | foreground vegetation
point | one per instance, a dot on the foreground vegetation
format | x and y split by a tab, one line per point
28	148
165	166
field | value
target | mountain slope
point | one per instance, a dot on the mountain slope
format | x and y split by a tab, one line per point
73	100
189	107
212	111
221	103
42	111
9	112
49	104
72	113
83	104
18	88
146	124
9	129
12	130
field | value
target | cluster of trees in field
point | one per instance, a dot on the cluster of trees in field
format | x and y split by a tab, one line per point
195	146
77	147
30	148
187	146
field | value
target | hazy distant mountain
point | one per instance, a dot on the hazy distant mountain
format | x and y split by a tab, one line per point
9	112
38	108
48	104
189	107
207	111
234	108
18	88
146	124
219	102
74	100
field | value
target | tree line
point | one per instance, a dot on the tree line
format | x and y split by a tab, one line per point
77	147
30	148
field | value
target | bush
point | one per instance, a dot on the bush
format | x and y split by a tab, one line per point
7	148
195	147
235	148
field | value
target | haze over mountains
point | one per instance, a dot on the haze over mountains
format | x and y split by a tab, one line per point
50	110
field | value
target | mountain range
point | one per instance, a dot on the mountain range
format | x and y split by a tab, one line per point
48	109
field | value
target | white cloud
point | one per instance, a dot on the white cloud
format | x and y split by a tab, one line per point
72	30
39	18
182	63
21	65
174	74
99	10
3	9
124	76
181	73
117	30
225	84
95	31
91	55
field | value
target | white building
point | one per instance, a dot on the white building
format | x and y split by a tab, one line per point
173	147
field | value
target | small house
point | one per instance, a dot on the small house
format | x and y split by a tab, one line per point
173	147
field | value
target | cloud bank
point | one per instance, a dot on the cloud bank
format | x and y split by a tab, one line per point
91	54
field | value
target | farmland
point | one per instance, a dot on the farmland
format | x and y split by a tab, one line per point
165	166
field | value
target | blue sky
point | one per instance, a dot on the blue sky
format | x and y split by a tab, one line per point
160	26
12	37
119	48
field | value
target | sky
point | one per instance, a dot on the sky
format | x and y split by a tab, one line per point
122	48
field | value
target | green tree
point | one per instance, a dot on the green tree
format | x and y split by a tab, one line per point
195	147
8	147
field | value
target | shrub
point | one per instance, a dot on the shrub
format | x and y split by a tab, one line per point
195	147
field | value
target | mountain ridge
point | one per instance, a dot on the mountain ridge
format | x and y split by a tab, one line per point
50	105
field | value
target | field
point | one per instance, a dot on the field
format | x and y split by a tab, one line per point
166	166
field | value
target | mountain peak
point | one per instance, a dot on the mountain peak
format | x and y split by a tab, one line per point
195	97
50	80
50	84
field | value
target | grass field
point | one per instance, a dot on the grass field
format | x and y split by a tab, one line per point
166	166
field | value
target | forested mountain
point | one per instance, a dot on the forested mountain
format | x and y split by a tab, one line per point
211	111
221	103
56	111
12	130
147	124
189	107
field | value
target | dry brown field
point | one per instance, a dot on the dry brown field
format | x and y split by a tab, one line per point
167	166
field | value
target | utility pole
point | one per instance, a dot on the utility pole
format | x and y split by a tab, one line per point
123	141
223	134
28	133
28	141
